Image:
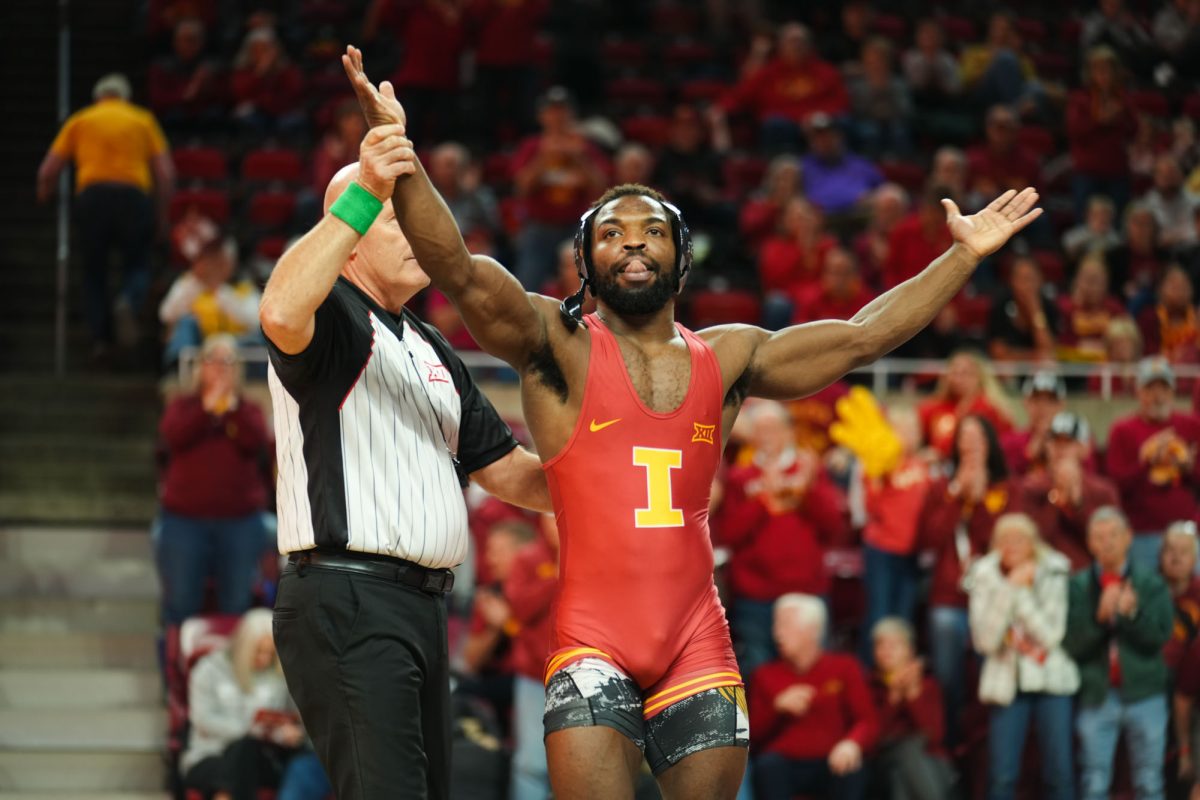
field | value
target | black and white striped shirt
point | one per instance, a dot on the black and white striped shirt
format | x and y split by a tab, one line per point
367	418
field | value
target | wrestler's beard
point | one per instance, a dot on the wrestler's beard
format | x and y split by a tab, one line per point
641	300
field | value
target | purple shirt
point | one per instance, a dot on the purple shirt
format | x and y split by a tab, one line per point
835	186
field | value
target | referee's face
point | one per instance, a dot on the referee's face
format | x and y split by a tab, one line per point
387	257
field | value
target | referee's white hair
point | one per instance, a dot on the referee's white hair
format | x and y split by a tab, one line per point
113	84
809	609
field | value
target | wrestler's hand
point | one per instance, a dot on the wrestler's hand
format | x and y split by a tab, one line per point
379	106
846	757
985	232
384	156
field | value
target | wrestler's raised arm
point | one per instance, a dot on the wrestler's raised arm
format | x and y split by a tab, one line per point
800	360
505	320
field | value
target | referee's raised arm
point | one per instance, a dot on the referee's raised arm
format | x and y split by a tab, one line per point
305	274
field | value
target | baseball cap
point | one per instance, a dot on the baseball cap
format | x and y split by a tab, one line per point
1155	368
820	121
1047	382
1071	425
555	96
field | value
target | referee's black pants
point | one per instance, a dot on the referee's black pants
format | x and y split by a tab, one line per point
366	662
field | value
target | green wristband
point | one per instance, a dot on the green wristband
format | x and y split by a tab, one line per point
357	207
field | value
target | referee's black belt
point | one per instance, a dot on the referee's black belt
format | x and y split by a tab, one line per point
427	579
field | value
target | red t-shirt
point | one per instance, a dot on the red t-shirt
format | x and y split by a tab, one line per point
1153	499
923	715
1099	148
894	504
794	91
814	304
504	30
785	266
910	250
563	190
433	45
1003	171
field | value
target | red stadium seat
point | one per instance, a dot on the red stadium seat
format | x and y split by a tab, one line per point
637	92
890	26
910	176
959	29
743	174
1053	266
1037	140
497	170
1032	30
680	19
973	312
273	164
271	209
270	247
1054	65
704	89
185	644
650	131
212	203
688	53
200	164
622	53
1148	101
711	307
1191	105
1068	32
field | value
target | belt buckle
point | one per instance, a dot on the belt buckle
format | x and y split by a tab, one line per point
438	582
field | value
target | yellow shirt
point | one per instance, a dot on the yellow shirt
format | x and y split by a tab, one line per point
111	141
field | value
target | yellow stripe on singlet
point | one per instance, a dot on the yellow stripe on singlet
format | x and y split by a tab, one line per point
566	655
683	692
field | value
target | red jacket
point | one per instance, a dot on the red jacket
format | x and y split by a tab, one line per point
214	466
784	266
910	250
1098	148
940	520
1061	525
923	716
840	709
1152	505
529	591
794	91
774	554
894	505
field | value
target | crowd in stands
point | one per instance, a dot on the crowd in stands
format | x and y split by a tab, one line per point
911	589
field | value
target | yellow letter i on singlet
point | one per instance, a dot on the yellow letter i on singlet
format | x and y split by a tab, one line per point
658	464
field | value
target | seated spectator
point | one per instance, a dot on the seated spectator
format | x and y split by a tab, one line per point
1084	314
1168	326
188	90
1114	26
243	728
1176	31
1173	206
1023	319
790	262
843	45
839	294
996	70
205	300
910	760
1138	263
888	205
1000	163
529	593
1018	618
956	523
1100	122
471	202
880	106
1151	457
918	239
1177	565
762	212
213	491
781	92
633	163
930	68
1097	232
778	514
949	171
1123	349
967	387
268	89
836	180
688	169
1062	497
1118	619
337	148
1187	724
1045	395
812	717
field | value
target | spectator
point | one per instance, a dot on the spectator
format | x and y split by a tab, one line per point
1188	255
1023	319
880	106
967	387
1118	620
205	300
1018	618
845	44
917	239
1097	232
1123	348
188	90
835	180
442	314
566	278
556	173
529	593
783	91
1100	122
956	523
1113	26
1045	395
930	68
1137	264
1178	567
1062	497
811	711
689	170
839	294
790	262
1187	726
243	728
996	70
338	147
268	89
1177	33
1169	325
1151	457
949	171
888	205
633	163
763	211
1173	206
471	202
910	760
778	514
1000	163
213	493
505	63
119	152
1085	313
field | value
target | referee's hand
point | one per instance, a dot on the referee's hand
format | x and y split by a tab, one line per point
384	155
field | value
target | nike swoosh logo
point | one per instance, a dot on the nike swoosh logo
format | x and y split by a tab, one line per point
593	427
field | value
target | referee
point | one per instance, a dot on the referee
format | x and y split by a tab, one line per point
378	426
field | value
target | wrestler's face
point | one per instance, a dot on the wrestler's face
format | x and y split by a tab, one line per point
633	256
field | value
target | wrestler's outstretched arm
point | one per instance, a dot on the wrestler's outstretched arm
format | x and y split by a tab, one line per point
800	360
505	320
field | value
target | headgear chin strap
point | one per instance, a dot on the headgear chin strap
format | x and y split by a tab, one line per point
572	307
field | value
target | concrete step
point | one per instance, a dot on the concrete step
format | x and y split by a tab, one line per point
75	775
56	614
71	729
62	651
84	796
80	688
112	578
75	545
30	449
57	506
77	476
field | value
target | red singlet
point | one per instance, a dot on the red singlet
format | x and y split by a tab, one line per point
631	490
